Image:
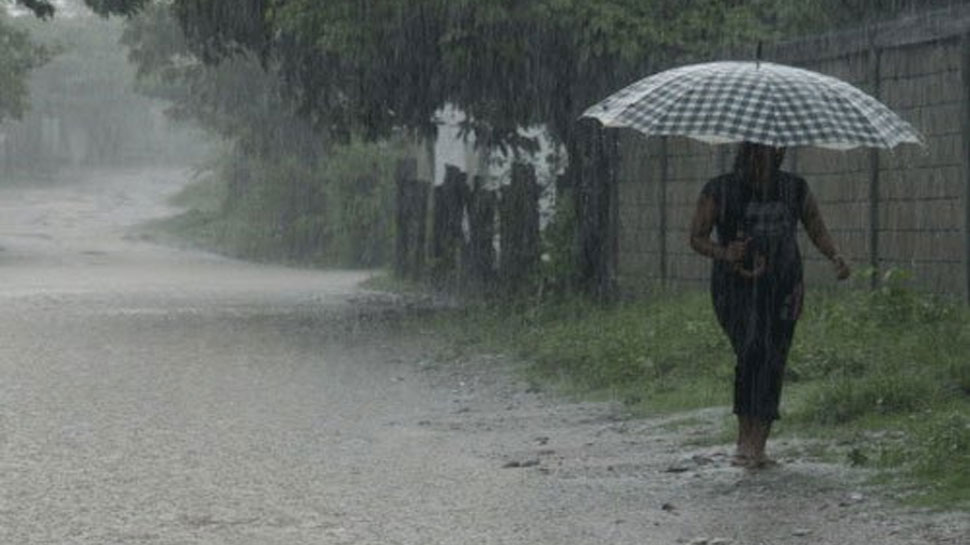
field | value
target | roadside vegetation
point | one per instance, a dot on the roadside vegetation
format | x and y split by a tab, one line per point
877	379
333	212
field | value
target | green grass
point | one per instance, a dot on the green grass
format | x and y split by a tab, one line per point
883	376
637	353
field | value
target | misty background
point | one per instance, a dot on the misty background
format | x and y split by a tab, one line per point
84	107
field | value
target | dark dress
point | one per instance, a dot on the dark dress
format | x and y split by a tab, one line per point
759	306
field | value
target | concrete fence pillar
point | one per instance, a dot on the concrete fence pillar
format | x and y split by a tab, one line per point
965	129
875	81
662	208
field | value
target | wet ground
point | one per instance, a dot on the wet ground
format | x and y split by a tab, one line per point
151	395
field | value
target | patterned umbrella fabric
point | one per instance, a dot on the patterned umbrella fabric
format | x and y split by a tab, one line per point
766	103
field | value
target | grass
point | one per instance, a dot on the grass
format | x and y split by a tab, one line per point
635	353
882	377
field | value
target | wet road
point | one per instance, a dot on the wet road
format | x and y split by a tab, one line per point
152	395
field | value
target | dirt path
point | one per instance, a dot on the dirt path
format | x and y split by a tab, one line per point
153	395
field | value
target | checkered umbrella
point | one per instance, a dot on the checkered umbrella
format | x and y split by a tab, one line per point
766	103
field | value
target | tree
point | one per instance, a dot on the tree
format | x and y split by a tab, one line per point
83	108
18	56
239	98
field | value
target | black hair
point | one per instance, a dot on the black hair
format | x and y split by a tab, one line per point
746	153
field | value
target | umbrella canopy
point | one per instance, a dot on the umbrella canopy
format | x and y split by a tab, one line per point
766	103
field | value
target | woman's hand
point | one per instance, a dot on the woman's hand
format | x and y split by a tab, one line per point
819	233
842	269
734	252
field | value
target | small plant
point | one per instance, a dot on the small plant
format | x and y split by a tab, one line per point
857	457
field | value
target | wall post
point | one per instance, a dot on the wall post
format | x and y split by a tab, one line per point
596	210
662	205
875	78
965	77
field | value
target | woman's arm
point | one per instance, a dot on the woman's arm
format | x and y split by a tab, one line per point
820	237
700	234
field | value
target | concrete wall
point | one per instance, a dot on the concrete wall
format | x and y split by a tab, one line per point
911	215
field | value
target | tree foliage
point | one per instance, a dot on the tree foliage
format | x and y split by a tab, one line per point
46	9
18	56
370	67
239	98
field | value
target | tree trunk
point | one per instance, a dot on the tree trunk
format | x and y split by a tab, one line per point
480	250
447	235
593	173
410	219
519	233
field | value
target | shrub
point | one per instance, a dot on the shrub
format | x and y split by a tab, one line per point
336	211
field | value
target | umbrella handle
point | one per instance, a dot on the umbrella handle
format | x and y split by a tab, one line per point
759	269
760	264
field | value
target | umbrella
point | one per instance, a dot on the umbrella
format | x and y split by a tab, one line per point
761	102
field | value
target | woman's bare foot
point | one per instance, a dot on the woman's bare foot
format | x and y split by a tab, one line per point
762	462
740	460
749	461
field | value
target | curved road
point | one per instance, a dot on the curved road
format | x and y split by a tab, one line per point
152	395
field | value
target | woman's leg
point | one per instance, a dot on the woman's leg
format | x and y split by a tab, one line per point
778	338
761	429
762	357
744	323
753	435
745	444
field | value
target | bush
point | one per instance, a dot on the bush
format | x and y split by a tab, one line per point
333	212
359	193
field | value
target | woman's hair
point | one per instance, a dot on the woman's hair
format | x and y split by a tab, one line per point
748	151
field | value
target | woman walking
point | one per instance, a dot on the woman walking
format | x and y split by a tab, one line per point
756	282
